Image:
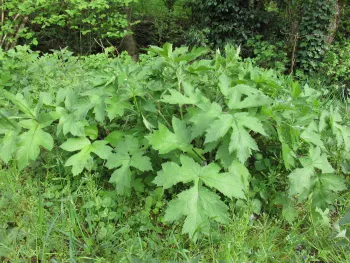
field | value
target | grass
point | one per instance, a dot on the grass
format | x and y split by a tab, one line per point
48	218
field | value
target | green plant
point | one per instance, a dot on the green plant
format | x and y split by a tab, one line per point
19	19
267	55
190	125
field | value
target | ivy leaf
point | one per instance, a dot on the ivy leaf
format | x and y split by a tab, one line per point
29	145
165	141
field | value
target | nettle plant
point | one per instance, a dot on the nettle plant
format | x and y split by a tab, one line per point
193	125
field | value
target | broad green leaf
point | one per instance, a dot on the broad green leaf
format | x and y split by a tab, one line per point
300	181
79	160
219	128
70	123
243	96
229	184
75	144
128	155
241	142
29	145
312	136
172	174
238	170
121	177
141	162
320	160
332	182
101	149
165	141
199	205
202	119
176	97
115	137
116	107
224	84
303	179
8	146
288	156
91	131
20	102
250	122
288	210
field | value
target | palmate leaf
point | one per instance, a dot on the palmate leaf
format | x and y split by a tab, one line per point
241	141
116	106
198	204
341	132
242	96
8	146
203	117
80	160
165	141
29	145
311	135
190	96
304	180
70	123
128	155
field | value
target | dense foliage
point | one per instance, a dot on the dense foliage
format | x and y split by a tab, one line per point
214	125
205	153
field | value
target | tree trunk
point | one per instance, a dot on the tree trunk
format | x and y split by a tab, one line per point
339	6
129	44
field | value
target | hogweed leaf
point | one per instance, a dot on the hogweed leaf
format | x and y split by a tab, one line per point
165	141
219	128
75	144
243	96
241	142
29	145
202	118
198	204
8	146
128	155
80	160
